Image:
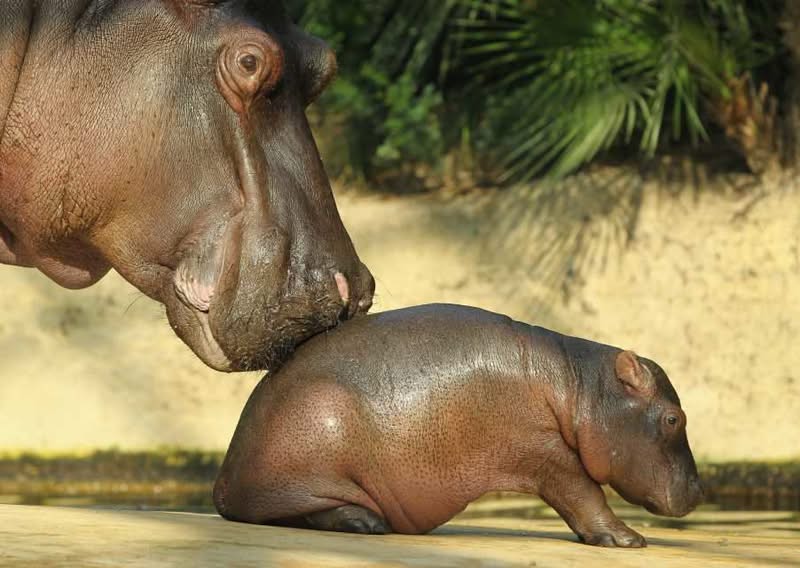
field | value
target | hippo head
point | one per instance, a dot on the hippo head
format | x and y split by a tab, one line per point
634	438
222	209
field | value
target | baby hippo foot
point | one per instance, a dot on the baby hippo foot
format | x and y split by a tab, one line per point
619	535
349	518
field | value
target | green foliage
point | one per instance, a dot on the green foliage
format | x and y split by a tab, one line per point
386	91
412	130
573	78
536	86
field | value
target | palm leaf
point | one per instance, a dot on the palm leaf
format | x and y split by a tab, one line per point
606	71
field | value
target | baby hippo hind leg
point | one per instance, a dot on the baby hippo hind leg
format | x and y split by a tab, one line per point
289	466
348	518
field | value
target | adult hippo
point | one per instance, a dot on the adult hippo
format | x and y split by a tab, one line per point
167	139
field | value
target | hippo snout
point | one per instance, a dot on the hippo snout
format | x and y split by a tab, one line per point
680	501
688	500
355	291
363	301
696	492
351	290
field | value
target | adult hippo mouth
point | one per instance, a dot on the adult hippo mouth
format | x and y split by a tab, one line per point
242	325
276	344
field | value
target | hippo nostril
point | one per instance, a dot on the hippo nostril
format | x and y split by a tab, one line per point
343	286
367	291
697	490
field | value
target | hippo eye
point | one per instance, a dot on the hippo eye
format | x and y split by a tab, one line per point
249	63
248	67
672	421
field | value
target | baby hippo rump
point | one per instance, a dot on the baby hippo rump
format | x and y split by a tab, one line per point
396	421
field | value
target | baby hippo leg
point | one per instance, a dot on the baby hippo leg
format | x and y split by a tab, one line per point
298	503
580	501
288	466
348	518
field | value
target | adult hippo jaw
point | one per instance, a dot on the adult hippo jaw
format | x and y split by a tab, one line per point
190	168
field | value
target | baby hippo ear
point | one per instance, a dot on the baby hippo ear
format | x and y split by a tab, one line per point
637	378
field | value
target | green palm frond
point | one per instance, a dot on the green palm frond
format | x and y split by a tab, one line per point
543	86
590	74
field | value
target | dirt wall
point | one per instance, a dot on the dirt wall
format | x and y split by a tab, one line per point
708	285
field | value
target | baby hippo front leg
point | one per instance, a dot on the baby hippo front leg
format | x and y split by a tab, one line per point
580	501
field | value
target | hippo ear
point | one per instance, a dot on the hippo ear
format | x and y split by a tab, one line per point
637	378
318	65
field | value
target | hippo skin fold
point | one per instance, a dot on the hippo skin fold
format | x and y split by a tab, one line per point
395	422
167	139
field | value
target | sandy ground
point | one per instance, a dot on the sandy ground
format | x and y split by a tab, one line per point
709	286
42	538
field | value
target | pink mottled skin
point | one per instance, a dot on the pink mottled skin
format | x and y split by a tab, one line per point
397	421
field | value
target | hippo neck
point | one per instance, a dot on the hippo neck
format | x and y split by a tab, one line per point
20	20
41	196
538	400
15	34
591	362
549	369
594	364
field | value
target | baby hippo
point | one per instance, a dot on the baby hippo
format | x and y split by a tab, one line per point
397	421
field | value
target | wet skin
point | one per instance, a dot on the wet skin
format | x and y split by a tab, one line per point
396	421
167	139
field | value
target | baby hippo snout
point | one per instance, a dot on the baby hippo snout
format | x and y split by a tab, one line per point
679	498
682	502
696	492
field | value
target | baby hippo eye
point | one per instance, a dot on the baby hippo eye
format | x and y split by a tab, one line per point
672	421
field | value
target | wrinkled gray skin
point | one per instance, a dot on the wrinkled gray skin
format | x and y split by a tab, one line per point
395	422
167	139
